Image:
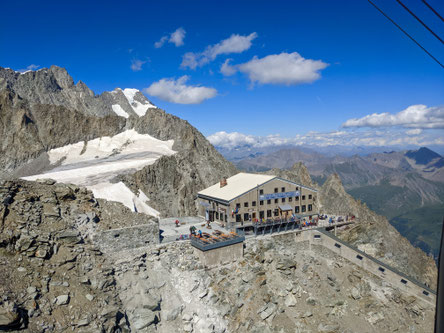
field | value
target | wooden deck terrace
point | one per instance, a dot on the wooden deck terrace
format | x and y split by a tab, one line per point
216	240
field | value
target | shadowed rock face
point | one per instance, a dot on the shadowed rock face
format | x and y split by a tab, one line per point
173	181
28	131
374	235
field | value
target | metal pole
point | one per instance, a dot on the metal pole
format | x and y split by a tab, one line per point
439	316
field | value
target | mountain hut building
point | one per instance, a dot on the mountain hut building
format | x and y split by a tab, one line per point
246	198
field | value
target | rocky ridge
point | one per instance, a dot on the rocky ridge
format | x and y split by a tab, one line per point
60	277
54	86
298	173
44	109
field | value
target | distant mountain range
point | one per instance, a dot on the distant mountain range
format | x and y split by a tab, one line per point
405	186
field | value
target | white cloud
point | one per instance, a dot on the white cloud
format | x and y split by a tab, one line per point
231	140
284	68
226	69
31	67
160	43
136	65
175	38
415	116
349	138
176	91
415	131
234	44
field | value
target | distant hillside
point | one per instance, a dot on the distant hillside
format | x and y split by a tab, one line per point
422	227
284	159
423	156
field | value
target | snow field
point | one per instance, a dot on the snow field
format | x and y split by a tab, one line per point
95	163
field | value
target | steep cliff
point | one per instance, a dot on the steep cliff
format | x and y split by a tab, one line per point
30	130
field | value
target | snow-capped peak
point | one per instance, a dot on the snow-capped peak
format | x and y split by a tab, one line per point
139	107
136	99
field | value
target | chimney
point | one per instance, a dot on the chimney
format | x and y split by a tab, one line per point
223	182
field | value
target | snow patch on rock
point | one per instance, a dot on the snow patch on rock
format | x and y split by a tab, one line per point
120	193
119	111
138	107
94	164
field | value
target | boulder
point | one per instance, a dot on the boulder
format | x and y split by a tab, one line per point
9	316
144	319
355	294
150	303
69	236
173	313
328	328
271	308
61	300
290	300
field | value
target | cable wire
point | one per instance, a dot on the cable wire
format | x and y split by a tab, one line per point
431	56
431	8
420	21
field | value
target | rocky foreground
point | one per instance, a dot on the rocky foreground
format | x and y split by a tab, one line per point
70	263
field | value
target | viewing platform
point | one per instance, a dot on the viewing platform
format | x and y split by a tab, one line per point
218	248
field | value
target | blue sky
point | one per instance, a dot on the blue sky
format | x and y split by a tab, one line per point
354	63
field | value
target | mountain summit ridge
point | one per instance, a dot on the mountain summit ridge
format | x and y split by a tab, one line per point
54	86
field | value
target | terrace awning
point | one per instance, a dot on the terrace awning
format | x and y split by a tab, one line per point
285	208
